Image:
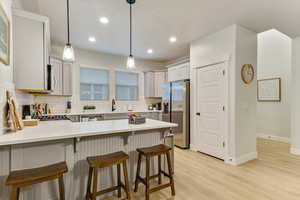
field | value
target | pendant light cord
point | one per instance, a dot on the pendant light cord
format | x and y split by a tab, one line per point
68	20
130	29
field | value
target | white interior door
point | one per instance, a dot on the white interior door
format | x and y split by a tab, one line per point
210	114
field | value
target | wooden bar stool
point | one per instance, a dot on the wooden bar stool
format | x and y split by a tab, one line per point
149	152
98	162
27	177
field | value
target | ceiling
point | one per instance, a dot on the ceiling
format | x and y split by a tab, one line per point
156	20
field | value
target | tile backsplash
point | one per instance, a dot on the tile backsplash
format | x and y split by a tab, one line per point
58	104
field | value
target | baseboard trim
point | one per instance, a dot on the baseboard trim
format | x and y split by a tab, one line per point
193	147
295	151
274	138
242	159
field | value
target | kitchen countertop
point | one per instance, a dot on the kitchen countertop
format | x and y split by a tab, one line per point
102	113
57	130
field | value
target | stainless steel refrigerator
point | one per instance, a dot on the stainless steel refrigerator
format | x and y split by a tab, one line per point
176	109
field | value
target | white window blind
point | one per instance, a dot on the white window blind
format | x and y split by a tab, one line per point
93	84
127	86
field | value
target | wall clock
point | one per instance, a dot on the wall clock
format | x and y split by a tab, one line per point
247	73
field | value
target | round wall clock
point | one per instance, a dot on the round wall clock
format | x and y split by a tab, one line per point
247	73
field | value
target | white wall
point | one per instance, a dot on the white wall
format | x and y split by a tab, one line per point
214	48
245	97
94	59
295	94
275	61
238	46
6	72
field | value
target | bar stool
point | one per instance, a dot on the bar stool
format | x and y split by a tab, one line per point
149	152
98	162
27	177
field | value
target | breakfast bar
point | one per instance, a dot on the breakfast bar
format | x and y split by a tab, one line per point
57	141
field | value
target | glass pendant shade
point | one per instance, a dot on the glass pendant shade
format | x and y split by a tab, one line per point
130	62
68	54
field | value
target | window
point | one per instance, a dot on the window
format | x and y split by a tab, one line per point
127	88
93	84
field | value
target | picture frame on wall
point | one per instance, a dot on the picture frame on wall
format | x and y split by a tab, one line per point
4	37
269	90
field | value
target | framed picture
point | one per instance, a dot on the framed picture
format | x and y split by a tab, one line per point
269	90
4	38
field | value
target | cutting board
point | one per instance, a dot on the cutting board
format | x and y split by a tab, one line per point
16	121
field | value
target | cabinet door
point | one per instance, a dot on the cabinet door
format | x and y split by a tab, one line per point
149	84
67	79
159	81
56	75
180	72
183	72
29	53
172	76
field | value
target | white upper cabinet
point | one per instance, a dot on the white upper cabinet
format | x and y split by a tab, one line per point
31	50
149	84
160	79
56	76
154	81
61	77
67	79
179	72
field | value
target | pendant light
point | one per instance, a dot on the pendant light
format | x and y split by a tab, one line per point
130	60
68	54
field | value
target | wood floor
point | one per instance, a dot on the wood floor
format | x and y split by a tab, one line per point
274	176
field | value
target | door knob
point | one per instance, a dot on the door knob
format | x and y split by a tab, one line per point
198	114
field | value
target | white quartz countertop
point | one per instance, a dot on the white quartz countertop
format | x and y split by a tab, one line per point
103	113
57	130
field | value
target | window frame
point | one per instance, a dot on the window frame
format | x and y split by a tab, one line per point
137	86
108	83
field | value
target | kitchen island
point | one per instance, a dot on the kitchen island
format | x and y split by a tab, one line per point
56	141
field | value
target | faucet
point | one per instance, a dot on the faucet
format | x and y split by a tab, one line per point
113	105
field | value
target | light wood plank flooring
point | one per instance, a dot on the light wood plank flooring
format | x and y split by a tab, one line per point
274	176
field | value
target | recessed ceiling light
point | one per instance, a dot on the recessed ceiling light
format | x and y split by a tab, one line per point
173	39
104	20
150	51
92	39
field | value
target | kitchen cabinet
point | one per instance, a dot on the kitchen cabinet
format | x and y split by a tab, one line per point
159	80
179	72
149	87
56	76
67	79
153	83
61	77
31	50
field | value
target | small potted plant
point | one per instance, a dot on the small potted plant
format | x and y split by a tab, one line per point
88	108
